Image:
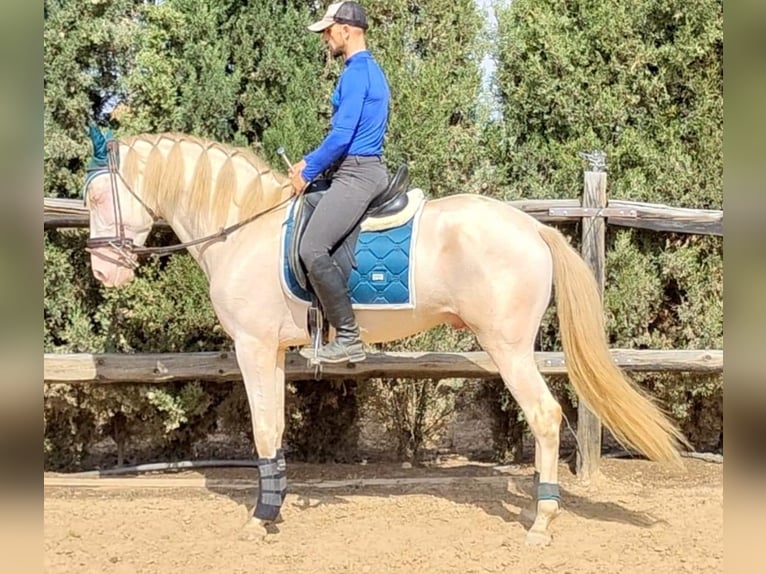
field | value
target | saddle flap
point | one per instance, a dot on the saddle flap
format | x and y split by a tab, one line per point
303	208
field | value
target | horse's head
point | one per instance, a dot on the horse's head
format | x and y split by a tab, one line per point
119	220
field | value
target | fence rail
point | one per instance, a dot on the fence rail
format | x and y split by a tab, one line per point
657	217
220	367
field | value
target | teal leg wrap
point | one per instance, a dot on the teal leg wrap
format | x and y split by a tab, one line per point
548	491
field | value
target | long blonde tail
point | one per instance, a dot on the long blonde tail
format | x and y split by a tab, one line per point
626	410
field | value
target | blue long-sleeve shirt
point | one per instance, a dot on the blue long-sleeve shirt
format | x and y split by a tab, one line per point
360	115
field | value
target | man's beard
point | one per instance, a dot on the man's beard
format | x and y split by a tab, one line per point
336	52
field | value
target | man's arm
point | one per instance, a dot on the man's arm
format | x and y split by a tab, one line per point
344	124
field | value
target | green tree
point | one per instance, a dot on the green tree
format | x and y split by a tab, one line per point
88	48
431	52
642	81
237	72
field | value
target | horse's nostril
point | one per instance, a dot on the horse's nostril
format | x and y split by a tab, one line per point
99	275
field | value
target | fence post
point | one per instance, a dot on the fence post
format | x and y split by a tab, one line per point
593	251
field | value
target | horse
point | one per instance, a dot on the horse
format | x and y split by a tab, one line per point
477	263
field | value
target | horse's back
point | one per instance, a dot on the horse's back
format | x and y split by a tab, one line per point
483	225
473	251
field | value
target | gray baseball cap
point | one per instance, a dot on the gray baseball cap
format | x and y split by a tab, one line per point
350	13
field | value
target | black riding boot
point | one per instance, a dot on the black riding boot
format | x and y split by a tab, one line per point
330	287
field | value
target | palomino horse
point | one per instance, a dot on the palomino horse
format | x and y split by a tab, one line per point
477	263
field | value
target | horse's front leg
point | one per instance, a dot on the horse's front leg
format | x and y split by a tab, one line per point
262	367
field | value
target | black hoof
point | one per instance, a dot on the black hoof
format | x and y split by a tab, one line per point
266	512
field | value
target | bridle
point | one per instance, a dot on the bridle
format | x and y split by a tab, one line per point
121	244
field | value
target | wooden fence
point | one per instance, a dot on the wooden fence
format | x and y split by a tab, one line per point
219	367
656	217
595	211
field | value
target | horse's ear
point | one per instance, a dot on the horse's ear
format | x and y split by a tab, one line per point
99	146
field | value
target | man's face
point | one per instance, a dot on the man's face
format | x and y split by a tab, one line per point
335	37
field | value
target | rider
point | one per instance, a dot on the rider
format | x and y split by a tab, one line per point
352	151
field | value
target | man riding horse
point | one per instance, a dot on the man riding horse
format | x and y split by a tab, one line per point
351	155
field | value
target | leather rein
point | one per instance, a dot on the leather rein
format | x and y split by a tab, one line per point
126	251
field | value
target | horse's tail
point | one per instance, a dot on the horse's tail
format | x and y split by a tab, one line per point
626	410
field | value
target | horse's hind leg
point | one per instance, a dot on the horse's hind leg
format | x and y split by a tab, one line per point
519	371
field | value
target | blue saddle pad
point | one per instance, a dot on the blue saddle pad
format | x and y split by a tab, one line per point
383	273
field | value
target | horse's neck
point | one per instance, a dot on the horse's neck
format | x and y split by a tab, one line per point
188	229
200	189
183	225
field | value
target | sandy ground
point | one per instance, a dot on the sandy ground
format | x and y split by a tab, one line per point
636	517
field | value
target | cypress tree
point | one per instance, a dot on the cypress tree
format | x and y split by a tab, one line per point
642	81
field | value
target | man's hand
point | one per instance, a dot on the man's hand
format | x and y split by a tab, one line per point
296	177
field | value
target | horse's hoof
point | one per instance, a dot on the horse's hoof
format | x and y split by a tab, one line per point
537	538
263	529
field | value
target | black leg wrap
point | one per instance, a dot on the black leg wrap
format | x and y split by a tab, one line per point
282	467
272	485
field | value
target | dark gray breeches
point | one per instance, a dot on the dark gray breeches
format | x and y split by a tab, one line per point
354	185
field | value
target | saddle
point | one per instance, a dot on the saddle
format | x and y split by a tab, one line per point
381	213
392	201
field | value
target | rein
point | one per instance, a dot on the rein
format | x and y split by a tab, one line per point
219	235
124	246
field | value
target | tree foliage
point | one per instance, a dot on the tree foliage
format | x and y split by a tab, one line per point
88	48
642	81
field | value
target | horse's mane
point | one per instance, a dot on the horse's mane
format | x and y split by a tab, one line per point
220	177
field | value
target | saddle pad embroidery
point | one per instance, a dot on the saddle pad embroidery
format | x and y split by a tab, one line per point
383	274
